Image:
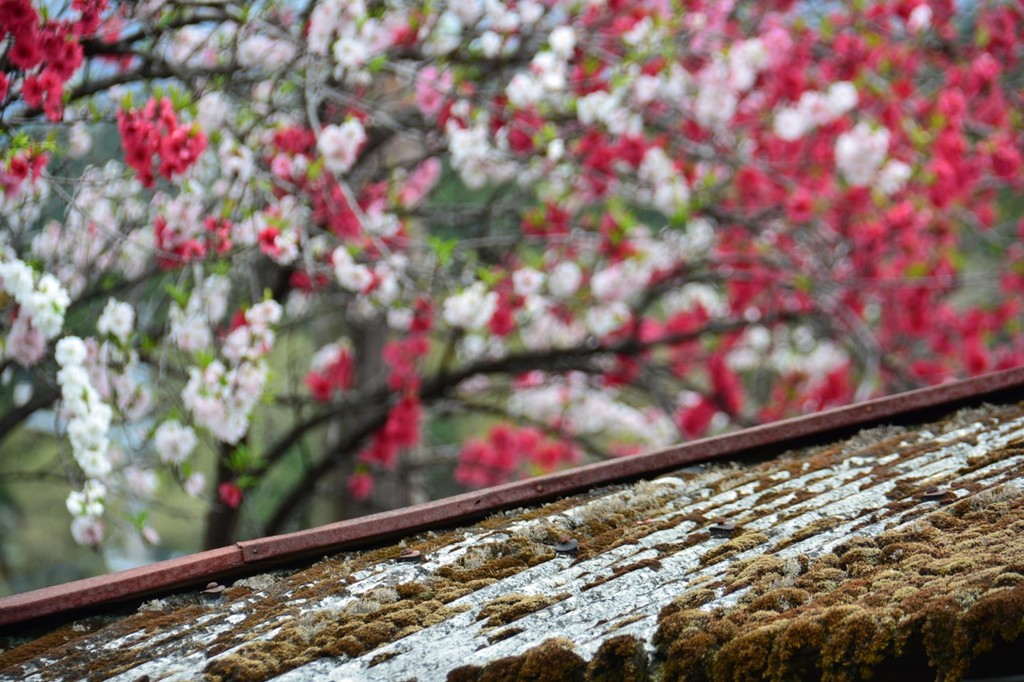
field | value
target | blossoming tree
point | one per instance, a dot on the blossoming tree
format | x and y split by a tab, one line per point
565	229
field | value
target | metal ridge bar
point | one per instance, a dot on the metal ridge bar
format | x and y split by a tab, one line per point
252	556
113	587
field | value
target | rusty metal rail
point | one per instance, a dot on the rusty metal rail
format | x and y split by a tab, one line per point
253	556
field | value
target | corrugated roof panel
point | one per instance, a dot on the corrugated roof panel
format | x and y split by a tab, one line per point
899	544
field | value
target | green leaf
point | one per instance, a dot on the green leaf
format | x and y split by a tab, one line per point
139	520
442	248
204	358
246	482
826	29
915	270
982	38
315	170
240	458
179	295
487	277
681	217
623	216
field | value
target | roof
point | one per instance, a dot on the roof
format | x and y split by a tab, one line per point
899	548
59	603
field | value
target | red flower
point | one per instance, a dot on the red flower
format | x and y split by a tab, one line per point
230	494
360	485
694	421
319	386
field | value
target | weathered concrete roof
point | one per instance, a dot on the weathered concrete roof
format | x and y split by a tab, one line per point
901	548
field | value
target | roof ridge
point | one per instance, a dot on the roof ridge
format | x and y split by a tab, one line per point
252	556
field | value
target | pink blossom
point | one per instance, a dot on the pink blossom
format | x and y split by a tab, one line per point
420	182
25	344
340	145
195	484
88	530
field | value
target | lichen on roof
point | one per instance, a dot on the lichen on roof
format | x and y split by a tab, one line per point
896	551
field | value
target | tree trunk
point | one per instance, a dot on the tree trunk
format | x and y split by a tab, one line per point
221	520
368	343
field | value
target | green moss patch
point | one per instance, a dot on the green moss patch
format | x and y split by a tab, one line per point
511	607
552	661
918	593
359	628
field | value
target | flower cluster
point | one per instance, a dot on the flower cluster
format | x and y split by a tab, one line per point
89	420
21	170
117	320
815	109
221	395
98	233
484	462
190	328
89	417
471	309
330	371
630	225
42	303
174	442
402	426
576	407
860	152
86	506
155	130
352	37
339	144
48	52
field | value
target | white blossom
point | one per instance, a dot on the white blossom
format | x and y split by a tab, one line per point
815	109
490	44
604	319
70	351
87	530
841	98
565	279
563	41
524	90
860	152
747	59
79	140
470	309
339	145
920	18
117	320
22	393
263	51
195	484
352	276
264	314
174	442
527	281
892	177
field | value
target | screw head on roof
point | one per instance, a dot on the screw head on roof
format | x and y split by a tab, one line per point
937	494
213	589
410	555
723	528
567	545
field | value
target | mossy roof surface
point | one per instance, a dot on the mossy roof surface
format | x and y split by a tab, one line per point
836	562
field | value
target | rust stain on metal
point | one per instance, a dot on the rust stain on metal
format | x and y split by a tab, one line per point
256	555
